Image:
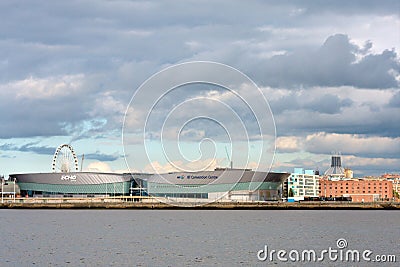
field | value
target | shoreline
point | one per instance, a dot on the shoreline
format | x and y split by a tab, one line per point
92	204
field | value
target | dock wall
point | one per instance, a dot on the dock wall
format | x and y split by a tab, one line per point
116	203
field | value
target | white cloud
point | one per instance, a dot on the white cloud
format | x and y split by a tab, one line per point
372	163
288	144
347	144
98	166
133	32
106	104
44	88
352	144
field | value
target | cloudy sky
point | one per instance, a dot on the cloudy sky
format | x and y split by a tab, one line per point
330	71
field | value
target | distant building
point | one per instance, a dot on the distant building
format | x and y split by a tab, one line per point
336	171
302	183
175	187
9	188
390	176
360	190
220	184
395	179
348	173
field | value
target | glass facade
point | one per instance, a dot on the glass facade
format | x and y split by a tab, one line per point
30	189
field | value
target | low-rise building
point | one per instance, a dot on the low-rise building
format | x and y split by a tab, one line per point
395	179
9	188
360	190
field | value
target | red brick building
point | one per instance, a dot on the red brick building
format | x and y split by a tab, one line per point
360	190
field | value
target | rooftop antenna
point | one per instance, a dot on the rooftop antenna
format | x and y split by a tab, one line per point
227	154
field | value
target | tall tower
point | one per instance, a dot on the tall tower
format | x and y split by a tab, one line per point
336	171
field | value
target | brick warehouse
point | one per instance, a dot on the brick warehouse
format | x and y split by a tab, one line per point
361	190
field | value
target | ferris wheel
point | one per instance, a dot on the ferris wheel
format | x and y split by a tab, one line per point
64	159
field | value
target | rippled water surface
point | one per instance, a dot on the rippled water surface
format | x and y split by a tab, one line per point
186	237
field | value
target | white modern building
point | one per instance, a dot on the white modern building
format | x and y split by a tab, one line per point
302	183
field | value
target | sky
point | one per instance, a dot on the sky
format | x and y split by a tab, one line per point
329	70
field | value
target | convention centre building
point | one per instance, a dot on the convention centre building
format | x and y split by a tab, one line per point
221	183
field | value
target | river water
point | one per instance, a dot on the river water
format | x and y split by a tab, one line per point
189	237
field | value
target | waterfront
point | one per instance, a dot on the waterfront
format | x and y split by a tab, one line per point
185	237
157	203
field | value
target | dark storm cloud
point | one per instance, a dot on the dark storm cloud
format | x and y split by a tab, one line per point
74	115
99	36
45	150
30	147
28	126
361	121
335	110
27	117
395	100
102	157
333	64
55	106
327	103
352	7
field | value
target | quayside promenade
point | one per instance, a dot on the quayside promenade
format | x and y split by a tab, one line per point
152	203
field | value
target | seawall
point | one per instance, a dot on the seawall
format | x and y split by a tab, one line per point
216	205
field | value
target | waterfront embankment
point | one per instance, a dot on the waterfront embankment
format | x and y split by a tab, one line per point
105	203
